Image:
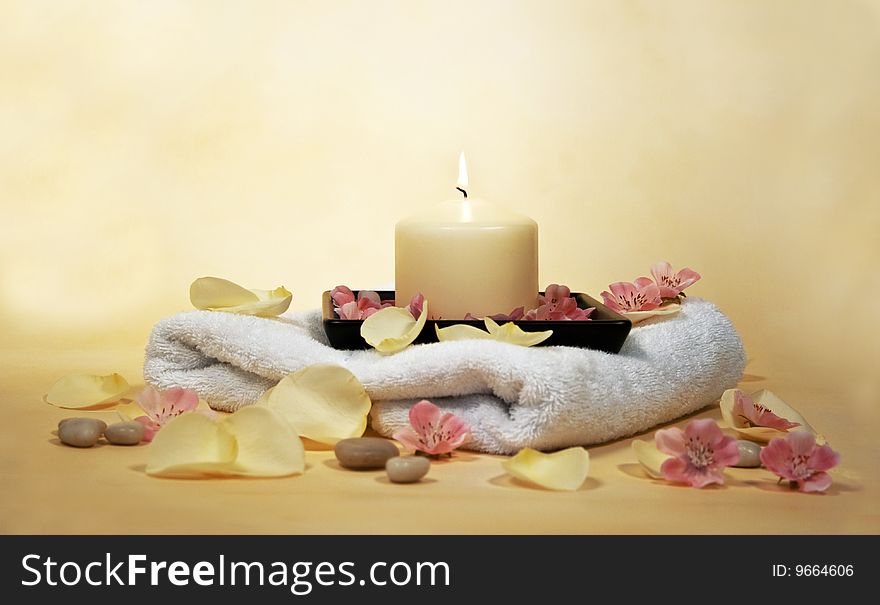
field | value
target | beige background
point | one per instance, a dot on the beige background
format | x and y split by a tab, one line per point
145	144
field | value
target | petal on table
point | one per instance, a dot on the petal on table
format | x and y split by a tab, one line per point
191	445
129	410
649	457
393	328
324	403
86	390
564	470
770	401
267	445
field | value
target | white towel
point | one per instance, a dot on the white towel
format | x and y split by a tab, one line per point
512	397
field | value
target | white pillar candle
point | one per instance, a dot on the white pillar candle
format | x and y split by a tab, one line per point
467	256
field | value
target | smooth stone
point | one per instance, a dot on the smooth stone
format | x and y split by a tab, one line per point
407	469
363	453
125	433
80	432
749	454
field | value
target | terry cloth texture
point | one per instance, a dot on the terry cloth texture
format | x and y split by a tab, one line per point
512	397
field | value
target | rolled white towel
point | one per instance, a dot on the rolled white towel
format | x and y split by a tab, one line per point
512	397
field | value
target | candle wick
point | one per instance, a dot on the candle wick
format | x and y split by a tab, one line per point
463	191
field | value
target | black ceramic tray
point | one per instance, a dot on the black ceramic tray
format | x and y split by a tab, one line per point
605	331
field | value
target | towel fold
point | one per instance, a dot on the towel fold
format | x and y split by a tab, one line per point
512	397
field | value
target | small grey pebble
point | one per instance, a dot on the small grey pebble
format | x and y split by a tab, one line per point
80	432
364	453
124	433
749	454
407	469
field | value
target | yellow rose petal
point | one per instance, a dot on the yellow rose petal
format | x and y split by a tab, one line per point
393	328
461	332
324	403
267	445
129	410
639	316
264	398
563	470
770	401
513	334
86	390
191	445
649	457
216	294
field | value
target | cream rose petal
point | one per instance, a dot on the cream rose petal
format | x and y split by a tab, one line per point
324	403
264	398
649	457
129	410
564	470
191	445
393	328
267	445
461	332
770	401
513	334
639	316
216	294
86	390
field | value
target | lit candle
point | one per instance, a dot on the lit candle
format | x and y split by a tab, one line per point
467	256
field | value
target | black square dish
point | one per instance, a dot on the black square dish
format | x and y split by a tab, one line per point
605	331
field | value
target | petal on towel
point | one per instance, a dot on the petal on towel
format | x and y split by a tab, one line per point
191	445
513	334
86	390
639	316
324	403
216	294
393	328
461	332
271	303
565	470
769	401
268	446
649	457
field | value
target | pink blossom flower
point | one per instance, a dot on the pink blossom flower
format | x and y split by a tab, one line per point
699	453
756	414
348	307
162	406
415	305
557	303
642	295
672	284
341	295
432	431
796	457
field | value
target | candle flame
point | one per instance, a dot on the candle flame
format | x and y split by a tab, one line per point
462	172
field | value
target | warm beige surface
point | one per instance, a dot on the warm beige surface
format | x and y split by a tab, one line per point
48	487
146	144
